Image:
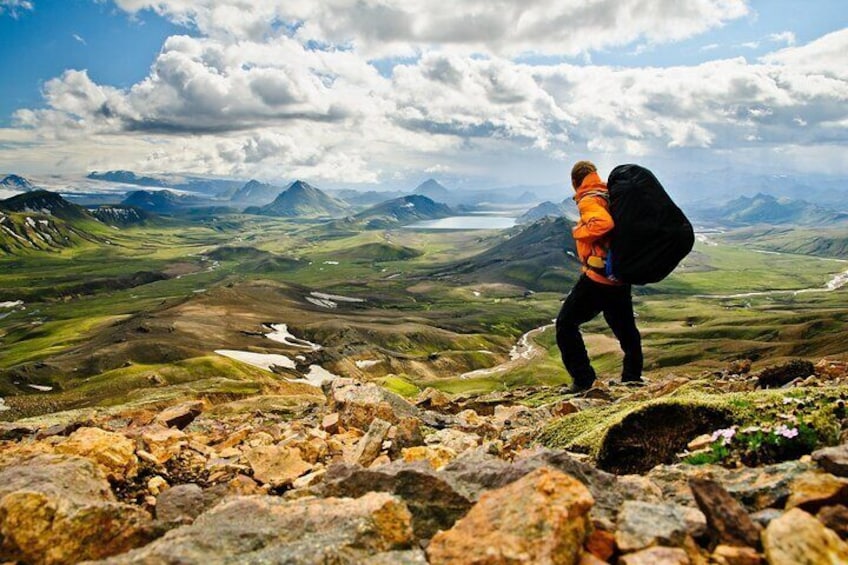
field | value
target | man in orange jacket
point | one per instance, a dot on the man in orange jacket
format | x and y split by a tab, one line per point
595	292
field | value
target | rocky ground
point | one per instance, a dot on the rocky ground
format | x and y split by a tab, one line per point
356	474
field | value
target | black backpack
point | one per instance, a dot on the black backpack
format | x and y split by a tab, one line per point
651	234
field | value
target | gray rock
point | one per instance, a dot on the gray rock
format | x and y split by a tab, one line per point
267	529
642	525
358	404
756	488
180	503
477	472
434	501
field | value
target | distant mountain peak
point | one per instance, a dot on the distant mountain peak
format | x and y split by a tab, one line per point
430	185
16	182
256	192
301	185
301	199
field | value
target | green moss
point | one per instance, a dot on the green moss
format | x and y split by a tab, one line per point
399	385
619	431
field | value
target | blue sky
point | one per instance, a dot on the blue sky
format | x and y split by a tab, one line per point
402	90
40	44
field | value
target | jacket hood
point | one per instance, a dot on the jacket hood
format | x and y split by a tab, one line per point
592	183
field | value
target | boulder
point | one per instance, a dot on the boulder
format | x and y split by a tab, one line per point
181	415
796	538
756	488
358	404
275	465
643	524
727	520
812	491
476	472
60	509
267	529
540	518
113	452
834	460
435	503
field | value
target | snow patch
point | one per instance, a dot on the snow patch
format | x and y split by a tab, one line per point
322	303
367	363
335	297
12	304
260	360
282	335
41	388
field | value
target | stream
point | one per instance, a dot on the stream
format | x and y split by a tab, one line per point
523	351
838	281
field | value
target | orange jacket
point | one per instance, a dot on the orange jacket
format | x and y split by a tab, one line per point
591	234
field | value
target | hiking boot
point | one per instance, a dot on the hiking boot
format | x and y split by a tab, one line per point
632	381
578	388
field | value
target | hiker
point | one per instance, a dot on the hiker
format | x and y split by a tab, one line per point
594	292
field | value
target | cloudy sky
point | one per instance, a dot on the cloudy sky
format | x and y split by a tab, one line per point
477	93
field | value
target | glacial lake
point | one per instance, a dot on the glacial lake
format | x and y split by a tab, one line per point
479	222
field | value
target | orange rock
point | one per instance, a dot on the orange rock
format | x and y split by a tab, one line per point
601	544
733	555
114	453
796	538
437	456
276	466
540	518
812	491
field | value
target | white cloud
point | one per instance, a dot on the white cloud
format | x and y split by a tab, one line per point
825	56
79	38
786	37
391	27
246	100
14	7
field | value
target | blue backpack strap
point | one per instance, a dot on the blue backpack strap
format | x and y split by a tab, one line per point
608	267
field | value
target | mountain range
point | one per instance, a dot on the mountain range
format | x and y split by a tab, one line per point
208	186
768	209
163	202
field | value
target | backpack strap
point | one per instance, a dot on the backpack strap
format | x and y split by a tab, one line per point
602	193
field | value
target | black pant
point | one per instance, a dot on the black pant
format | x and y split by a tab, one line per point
586	300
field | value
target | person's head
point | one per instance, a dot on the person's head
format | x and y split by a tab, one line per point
580	171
